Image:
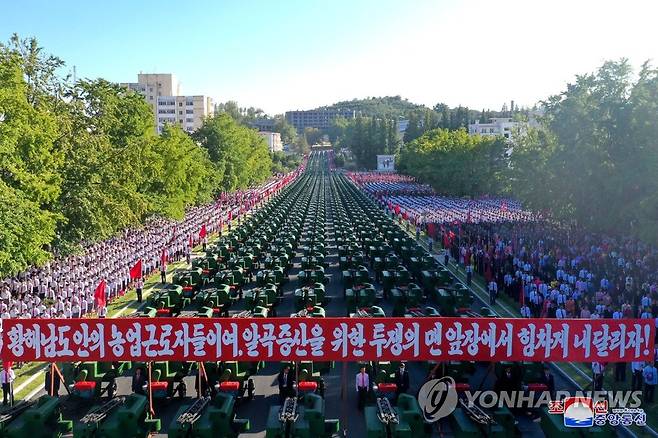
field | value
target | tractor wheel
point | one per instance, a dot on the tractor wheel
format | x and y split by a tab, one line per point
251	389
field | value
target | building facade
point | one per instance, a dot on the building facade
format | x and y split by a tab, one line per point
504	126
273	140
318	118
162	92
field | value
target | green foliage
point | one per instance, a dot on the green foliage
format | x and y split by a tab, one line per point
313	135
244	116
455	163
82	161
284	163
367	137
240	154
287	131
392	107
595	160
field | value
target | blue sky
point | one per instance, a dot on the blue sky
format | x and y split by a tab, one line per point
282	55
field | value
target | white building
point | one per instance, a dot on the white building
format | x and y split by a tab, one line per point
273	140
504	126
162	92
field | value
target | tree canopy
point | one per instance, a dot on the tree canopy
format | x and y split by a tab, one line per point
81	161
592	160
455	163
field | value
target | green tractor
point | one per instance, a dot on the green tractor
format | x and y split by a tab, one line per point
37	419
92	380
208	417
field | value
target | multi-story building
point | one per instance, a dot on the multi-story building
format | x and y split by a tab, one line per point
264	124
317	118
273	140
504	126
162	92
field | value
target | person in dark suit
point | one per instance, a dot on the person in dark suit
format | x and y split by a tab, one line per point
52	385
139	380
286	381
401	380
548	380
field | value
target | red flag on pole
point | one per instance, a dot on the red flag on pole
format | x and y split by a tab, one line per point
99	294
136	271
163	257
191	243
203	231
230	215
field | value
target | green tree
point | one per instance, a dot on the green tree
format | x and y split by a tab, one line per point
287	131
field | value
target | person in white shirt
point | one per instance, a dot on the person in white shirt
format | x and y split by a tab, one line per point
560	313
525	312
597	376
493	292
7	377
362	384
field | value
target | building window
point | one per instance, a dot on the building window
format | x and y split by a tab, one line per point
189	103
180	103
180	113
150	97
189	120
180	121
150	89
189	111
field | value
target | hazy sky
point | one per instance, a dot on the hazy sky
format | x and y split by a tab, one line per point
281	55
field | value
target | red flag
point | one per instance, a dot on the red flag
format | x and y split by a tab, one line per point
99	294
203	232
230	215
136	271
191	243
163	257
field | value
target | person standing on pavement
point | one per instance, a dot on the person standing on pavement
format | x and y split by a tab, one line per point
139	286
7	377
362	382
493	292
636	382
650	375
401	380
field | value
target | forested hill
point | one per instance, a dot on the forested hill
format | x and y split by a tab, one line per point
389	106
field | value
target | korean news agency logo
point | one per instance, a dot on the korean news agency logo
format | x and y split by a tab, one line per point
437	398
589	412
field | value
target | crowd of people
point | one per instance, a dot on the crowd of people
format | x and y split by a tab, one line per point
65	287
549	269
419	204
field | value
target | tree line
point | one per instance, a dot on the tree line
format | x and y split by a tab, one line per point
80	161
593	160
366	137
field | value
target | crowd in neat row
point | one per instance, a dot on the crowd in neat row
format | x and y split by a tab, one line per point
65	287
551	270
419	204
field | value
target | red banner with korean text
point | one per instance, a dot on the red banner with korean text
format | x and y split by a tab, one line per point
324	339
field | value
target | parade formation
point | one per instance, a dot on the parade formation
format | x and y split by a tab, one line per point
300	285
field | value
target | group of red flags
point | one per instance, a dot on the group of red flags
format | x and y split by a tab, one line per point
100	294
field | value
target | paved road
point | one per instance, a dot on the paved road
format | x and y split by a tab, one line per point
340	395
